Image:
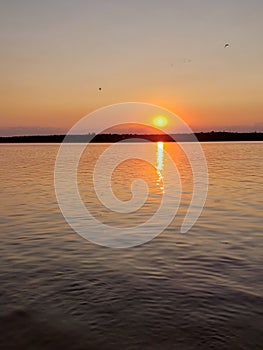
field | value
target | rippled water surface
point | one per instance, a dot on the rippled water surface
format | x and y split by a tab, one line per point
199	290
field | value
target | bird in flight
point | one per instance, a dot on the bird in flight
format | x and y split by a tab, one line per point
99	89
226	45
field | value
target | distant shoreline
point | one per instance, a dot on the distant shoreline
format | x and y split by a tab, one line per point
213	136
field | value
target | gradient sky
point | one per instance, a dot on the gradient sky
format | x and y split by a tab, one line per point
55	54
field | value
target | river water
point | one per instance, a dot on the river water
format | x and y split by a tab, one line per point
197	290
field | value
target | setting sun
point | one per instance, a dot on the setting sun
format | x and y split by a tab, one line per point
160	121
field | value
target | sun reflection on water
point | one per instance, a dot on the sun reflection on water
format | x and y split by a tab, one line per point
159	165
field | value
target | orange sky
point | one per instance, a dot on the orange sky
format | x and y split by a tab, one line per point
56	55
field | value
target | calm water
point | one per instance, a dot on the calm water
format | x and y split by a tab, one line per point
199	290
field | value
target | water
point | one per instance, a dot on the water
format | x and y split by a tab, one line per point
199	290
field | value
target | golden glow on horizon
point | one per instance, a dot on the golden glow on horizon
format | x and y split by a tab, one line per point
160	121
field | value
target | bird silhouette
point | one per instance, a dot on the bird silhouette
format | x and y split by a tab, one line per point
226	45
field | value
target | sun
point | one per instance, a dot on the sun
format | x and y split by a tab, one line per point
160	121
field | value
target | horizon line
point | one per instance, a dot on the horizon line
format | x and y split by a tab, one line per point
213	136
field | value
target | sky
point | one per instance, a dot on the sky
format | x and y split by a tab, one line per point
57	54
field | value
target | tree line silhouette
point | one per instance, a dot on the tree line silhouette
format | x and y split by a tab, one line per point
213	136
